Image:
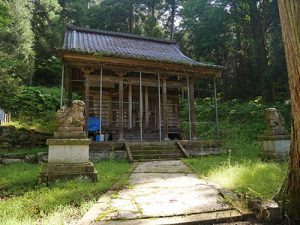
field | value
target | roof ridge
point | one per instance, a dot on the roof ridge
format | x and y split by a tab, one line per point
120	34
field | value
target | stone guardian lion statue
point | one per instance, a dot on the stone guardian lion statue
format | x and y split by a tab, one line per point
275	122
71	118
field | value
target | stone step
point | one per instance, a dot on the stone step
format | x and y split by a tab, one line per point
150	148
154	151
163	143
152	160
157	156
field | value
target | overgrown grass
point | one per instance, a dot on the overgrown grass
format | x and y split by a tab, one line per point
29	203
242	169
260	179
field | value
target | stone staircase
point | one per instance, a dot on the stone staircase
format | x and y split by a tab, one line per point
152	151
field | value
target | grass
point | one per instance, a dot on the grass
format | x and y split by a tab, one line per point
241	169
24	151
28	203
35	124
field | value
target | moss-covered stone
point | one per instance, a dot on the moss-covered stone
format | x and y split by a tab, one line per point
69	141
53	171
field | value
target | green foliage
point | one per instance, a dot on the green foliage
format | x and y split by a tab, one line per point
235	115
31	107
40	203
33	102
245	37
8	88
47	29
152	29
16	41
5	17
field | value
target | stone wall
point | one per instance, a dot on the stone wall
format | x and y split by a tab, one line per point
107	150
40	157
11	138
97	156
202	148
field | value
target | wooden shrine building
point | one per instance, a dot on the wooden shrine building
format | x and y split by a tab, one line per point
132	83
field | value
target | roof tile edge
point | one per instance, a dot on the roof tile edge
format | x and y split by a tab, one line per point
120	34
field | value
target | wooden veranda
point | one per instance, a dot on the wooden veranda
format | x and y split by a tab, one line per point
131	83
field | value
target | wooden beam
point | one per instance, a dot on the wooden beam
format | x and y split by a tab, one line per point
135	81
165	110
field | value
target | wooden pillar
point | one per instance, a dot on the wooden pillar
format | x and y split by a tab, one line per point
141	107
130	106
146	107
159	105
121	107
192	108
86	74
165	110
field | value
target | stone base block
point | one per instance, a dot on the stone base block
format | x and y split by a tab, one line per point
275	147
54	171
65	151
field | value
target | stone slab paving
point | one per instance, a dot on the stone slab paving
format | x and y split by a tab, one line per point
160	191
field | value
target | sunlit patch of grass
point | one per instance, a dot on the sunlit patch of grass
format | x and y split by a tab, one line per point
257	178
60	201
261	179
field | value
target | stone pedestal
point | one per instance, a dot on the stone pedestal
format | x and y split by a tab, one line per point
276	146
68	158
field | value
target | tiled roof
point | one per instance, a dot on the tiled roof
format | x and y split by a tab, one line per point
126	45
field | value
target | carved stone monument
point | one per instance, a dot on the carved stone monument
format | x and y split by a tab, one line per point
68	154
276	140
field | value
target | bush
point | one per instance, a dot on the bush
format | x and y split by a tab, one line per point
36	102
248	116
31	107
9	86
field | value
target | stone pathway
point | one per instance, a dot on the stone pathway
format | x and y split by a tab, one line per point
161	192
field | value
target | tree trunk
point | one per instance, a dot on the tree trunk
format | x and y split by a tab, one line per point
290	191
173	11
131	17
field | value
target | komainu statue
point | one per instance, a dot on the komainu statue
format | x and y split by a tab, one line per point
275	122
70	120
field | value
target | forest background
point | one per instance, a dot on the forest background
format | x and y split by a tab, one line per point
244	36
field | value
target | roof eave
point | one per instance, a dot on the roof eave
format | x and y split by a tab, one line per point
69	55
